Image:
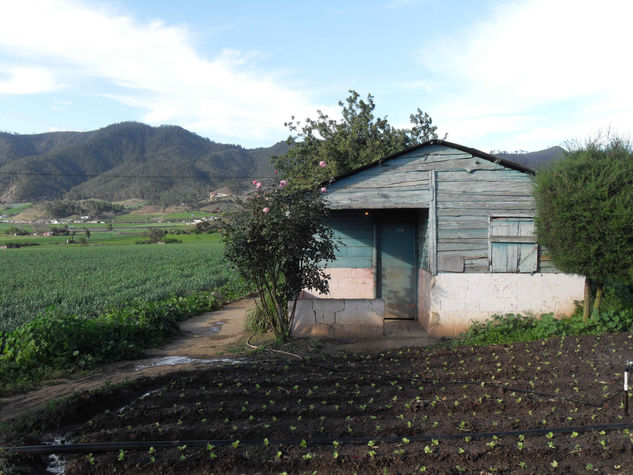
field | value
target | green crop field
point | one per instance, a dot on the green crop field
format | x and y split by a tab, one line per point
87	279
14	209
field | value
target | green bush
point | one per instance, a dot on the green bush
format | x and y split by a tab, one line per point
510	328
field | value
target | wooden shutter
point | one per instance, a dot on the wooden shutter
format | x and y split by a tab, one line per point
513	246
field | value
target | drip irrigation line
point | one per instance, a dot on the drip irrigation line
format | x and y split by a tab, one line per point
95	447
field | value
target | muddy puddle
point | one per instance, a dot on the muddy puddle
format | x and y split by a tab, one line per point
179	360
216	327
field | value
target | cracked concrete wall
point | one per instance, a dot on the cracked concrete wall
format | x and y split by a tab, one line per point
339	318
459	299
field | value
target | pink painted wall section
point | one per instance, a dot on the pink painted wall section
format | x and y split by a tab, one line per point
459	299
348	283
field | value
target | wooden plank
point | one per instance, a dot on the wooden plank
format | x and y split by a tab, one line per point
454	164
463	222
492	176
503	257
459	247
423	250
471	253
476	270
476	265
477	196
483	242
489	205
463	233
398	183
482	186
354	251
432	225
528	257
450	263
515	239
443	213
379	200
469	262
351	262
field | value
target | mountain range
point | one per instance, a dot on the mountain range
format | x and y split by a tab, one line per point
127	160
163	165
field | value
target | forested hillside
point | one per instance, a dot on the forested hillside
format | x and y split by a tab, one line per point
164	164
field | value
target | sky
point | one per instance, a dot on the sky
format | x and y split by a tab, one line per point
493	75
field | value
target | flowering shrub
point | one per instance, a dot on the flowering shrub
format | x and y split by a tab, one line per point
280	245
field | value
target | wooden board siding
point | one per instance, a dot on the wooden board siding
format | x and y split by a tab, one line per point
402	182
465	202
460	191
355	235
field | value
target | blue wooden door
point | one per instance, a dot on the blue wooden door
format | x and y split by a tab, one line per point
397	268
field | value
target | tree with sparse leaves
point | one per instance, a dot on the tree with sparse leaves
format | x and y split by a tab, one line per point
585	213
357	139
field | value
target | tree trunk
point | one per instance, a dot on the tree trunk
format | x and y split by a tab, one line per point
587	303
596	303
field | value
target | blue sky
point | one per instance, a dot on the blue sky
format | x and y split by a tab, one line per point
492	74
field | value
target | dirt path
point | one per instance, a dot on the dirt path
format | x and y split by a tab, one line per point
205	340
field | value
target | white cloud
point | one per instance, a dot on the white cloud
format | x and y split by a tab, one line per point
26	80
154	65
521	70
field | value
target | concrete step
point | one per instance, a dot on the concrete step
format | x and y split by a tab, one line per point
404	328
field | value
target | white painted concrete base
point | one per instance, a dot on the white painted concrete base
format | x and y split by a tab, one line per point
339	318
459	299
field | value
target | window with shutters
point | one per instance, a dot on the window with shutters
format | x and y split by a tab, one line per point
512	244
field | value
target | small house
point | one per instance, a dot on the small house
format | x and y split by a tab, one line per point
440	234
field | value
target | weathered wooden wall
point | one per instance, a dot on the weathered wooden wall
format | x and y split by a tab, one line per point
460	192
354	233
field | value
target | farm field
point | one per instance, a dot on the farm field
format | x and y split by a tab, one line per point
88	279
522	408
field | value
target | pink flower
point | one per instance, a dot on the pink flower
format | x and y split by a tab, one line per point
275	172
258	185
323	189
266	210
322	164
282	183
267	198
254	182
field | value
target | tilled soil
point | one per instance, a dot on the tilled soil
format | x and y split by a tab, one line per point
520	408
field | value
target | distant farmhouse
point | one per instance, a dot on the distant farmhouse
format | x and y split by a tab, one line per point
442	234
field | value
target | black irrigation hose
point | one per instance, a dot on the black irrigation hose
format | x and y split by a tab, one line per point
166	444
